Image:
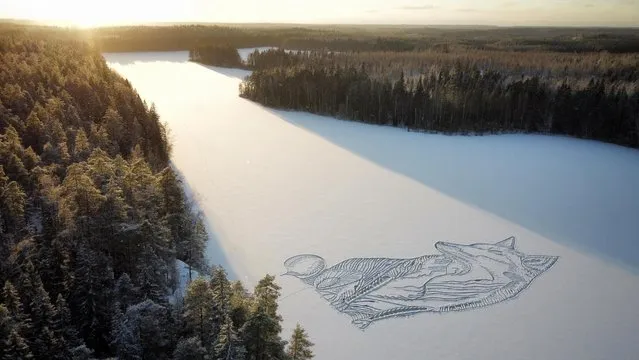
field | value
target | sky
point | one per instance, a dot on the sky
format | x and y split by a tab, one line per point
423	12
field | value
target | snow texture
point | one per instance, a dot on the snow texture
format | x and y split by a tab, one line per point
275	184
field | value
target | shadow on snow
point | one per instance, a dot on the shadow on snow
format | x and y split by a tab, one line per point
582	194
213	253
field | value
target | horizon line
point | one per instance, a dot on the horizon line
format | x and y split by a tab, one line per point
69	24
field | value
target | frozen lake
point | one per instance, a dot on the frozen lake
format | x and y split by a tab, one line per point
275	184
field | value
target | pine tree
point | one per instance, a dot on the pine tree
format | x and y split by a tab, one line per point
34	131
42	310
221	288
299	348
266	293
151	324
81	353
3	218
6	326
240	304
125	338
81	146
152	272
199	306
113	125
79	196
13	202
30	158
50	346
190	349
261	332
63	323
16	348
228	346
12	302
91	297
125	291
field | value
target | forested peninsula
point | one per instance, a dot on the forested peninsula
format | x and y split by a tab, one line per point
93	221
593	96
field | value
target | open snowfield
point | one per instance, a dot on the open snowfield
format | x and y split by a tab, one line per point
275	184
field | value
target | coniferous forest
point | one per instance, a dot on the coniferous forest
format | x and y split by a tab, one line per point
216	55
93	219
475	92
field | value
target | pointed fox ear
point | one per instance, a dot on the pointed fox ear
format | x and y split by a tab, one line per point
509	243
538	263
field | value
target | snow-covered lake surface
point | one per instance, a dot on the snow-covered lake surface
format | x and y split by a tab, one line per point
274	184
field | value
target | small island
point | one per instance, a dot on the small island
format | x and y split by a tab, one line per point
216	55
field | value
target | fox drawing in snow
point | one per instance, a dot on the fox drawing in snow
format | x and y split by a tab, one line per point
462	277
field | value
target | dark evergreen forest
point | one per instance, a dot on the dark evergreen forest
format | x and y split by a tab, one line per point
217	55
366	38
93	218
463	94
175	36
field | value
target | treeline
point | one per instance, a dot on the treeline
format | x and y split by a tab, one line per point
216	55
576	69
367	38
453	99
172	37
92	220
221	320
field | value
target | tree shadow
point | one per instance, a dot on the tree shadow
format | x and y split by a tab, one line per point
129	58
170	56
582	194
214	252
228	72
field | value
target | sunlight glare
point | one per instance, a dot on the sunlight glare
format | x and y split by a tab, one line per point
85	14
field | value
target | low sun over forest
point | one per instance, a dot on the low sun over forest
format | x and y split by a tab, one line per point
94	220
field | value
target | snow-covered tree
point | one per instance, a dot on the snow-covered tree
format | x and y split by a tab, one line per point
190	349
199	306
15	347
228	345
299	348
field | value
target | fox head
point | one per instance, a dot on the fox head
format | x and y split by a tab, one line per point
499	260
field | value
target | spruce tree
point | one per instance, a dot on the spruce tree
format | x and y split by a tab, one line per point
6	326
190	349
228	346
16	347
299	348
125	292
11	300
199	310
261	332
81	147
42	310
63	323
13	202
221	288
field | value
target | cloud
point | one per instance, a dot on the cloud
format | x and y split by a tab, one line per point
372	11
588	5
417	7
468	10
